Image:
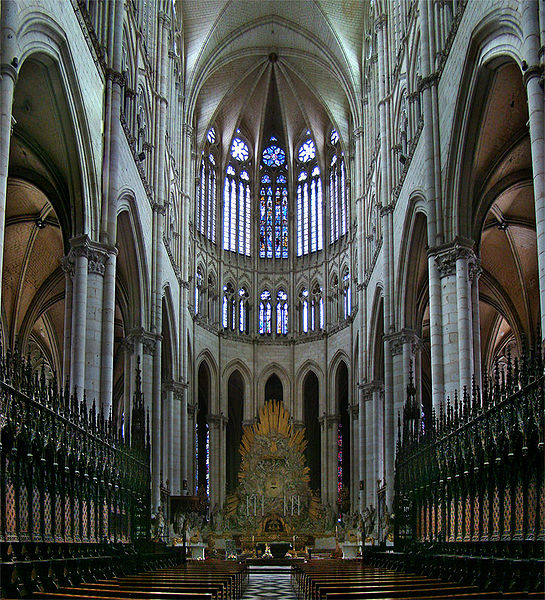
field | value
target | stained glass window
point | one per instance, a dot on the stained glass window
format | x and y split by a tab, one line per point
273	203
303	302
281	313
347	299
211	135
338	193
237	200
206	196
309	201
228	308
198	288
243	310
265	313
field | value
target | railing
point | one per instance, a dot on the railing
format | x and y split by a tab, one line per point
66	474
475	473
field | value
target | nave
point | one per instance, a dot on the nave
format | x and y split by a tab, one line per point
324	579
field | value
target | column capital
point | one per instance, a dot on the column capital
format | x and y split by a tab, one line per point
531	72
358	132
368	389
146	338
217	419
386	210
97	254
446	255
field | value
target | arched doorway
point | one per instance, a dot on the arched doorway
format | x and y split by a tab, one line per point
311	402
235	395
274	389
202	434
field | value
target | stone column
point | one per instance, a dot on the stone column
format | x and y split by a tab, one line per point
354	455
217	424
474	274
78	257
332	449
175	447
8	78
323	458
167	432
108	318
362	446
69	271
379	437
191	458
445	262
464	256
533	80
185	446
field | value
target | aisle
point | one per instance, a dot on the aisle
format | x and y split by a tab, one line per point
268	585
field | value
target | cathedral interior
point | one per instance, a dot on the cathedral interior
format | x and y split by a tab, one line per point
273	295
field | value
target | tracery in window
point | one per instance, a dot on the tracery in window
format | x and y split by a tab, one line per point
206	189
228	309
347	299
338	193
273	203
198	290
237	199
243	307
281	313
265	313
309	200
303	307
317	318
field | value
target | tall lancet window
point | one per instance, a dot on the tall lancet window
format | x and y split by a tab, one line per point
309	200
206	193
273	203
237	199
338	193
265	313
281	313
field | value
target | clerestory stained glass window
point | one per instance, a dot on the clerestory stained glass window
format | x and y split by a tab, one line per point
237	200
338	193
309	201
281	313
273	203
206	192
265	313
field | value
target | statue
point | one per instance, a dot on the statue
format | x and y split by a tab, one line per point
388	525
370	517
159	525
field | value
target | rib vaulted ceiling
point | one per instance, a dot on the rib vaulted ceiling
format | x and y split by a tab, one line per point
236	51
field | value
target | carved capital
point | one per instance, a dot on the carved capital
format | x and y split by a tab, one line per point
67	265
380	22
187	130
158	208
146	338
447	255
385	210
475	269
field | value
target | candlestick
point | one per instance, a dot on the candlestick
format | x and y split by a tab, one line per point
298	505
255	505
292	499
247	506
262	504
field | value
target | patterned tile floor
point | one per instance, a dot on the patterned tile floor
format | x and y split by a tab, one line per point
269	586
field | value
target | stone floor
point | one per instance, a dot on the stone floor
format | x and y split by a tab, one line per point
269	584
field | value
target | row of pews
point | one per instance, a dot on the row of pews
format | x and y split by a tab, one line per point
199	580
354	580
